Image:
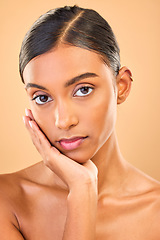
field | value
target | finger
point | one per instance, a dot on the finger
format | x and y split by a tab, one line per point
29	113
30	117
32	134
40	136
26	120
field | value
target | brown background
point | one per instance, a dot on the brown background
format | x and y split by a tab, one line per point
136	25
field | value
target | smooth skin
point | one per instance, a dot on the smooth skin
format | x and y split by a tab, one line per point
90	192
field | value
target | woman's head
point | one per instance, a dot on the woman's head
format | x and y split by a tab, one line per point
75	26
70	87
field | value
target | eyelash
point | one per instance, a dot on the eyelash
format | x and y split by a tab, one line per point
88	87
38	97
43	95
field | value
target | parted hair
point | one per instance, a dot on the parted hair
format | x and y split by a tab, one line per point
71	25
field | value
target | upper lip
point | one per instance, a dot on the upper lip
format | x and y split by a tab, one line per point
71	138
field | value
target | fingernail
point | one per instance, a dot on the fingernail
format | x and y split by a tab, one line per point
31	125
23	119
26	112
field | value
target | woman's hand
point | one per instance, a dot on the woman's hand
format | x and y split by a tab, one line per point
71	172
80	179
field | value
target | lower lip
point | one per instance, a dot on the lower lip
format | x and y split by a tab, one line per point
70	145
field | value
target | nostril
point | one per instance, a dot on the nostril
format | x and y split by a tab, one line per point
66	124
65	116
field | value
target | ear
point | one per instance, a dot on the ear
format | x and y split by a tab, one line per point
124	82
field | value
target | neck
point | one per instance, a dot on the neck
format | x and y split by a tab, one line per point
111	166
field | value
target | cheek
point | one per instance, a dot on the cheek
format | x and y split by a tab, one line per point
103	117
40	117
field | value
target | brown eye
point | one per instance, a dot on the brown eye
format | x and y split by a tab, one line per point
42	99
83	91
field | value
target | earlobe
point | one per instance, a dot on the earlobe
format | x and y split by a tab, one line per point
124	82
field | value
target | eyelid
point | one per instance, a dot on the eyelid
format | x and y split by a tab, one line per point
36	97
39	93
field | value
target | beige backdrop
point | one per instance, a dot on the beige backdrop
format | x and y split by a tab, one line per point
136	25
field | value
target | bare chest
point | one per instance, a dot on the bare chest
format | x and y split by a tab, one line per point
133	220
43	216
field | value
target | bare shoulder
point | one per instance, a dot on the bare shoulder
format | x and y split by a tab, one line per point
11	188
154	208
9	184
15	200
9	197
145	186
148	200
154	191
12	184
154	196
26	201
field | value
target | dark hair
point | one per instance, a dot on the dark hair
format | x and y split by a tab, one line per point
75	26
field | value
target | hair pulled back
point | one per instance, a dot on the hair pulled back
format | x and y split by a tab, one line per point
74	26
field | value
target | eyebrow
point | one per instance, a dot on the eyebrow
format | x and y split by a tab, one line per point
68	83
80	77
33	85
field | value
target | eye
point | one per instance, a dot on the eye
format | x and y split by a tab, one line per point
42	99
83	91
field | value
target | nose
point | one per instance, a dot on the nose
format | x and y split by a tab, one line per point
65	116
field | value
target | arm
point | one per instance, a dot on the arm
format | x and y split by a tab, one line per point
81	217
81	181
8	222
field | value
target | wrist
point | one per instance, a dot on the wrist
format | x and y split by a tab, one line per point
82	190
84	182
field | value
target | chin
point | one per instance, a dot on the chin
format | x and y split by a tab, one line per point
81	154
78	156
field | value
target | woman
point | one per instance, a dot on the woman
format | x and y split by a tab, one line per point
83	188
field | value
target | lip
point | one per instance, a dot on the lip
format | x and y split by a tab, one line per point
71	143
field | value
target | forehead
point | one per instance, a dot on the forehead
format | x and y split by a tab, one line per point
63	62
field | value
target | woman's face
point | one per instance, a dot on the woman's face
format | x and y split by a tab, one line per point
72	100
